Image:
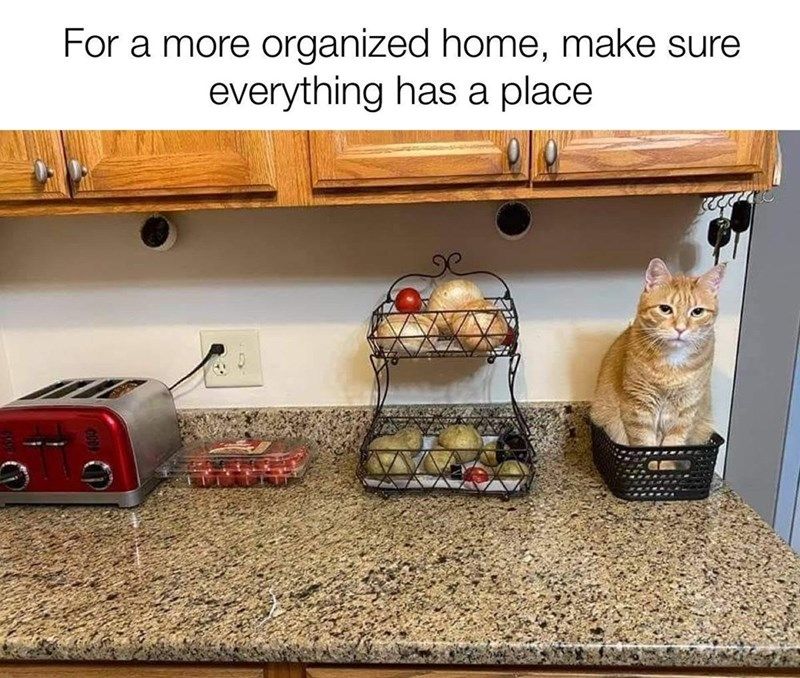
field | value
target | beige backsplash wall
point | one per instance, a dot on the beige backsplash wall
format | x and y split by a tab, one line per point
6	392
80	296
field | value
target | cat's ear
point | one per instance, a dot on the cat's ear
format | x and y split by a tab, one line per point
712	279
657	274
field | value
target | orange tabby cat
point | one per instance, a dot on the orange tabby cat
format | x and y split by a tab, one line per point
654	382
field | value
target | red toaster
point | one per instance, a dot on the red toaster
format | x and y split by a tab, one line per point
86	441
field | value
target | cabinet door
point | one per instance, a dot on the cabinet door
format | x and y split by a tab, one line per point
166	162
19	152
593	154
403	158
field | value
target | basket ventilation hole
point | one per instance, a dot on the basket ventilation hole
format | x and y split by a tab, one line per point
669	465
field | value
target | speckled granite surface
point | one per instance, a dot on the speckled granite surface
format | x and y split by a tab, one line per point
567	575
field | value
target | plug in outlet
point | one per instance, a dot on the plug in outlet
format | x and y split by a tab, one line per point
240	365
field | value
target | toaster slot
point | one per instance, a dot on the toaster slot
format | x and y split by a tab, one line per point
66	390
122	389
97	388
44	391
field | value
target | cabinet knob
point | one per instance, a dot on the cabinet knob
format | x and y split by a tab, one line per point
551	152
76	171
41	171
513	151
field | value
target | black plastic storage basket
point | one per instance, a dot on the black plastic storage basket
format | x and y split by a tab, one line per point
655	473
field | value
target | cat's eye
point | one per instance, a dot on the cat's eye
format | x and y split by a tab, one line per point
697	312
665	309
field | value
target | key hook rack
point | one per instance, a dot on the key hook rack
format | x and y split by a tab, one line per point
741	216
715	203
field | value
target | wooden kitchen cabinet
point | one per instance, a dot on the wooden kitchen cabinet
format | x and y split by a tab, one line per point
154	171
347	159
403	672
19	152
659	154
168	162
516	672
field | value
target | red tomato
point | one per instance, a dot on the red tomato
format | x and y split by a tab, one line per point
289	458
278	475
227	477
198	464
476	474
408	300
248	476
203	477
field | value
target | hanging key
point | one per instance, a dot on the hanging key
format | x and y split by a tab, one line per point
719	235
741	218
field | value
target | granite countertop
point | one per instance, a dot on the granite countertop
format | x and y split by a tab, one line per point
566	575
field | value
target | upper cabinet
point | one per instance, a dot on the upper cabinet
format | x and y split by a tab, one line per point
168	163
658	154
341	159
32	166
78	172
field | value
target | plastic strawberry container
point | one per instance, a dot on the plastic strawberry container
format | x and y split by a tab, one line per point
248	462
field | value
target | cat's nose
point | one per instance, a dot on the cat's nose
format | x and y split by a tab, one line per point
680	331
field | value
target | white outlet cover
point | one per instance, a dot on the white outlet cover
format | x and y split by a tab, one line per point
240	365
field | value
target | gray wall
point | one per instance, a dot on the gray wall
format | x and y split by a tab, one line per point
768	343
787	514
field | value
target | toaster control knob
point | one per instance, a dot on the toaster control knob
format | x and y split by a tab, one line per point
97	475
14	476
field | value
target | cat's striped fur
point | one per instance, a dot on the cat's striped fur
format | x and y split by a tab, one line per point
654	386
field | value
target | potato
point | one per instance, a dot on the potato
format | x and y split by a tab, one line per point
397	463
406	334
438	461
462	439
512	469
480	327
452	296
412	437
408	439
488	455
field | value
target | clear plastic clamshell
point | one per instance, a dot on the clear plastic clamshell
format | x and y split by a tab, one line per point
248	462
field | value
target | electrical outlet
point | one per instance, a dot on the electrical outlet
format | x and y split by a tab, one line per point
240	365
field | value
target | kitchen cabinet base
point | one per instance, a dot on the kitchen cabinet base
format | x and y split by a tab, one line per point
380	197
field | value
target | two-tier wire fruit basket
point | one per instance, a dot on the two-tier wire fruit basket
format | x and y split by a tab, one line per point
481	450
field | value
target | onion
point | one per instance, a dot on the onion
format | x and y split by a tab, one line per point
452	296
479	327
406	334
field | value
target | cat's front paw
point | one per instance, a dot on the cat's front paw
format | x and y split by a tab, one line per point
642	441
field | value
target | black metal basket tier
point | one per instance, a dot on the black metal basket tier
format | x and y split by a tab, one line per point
415	468
493	453
488	333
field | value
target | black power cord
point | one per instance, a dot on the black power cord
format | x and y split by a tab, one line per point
215	350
